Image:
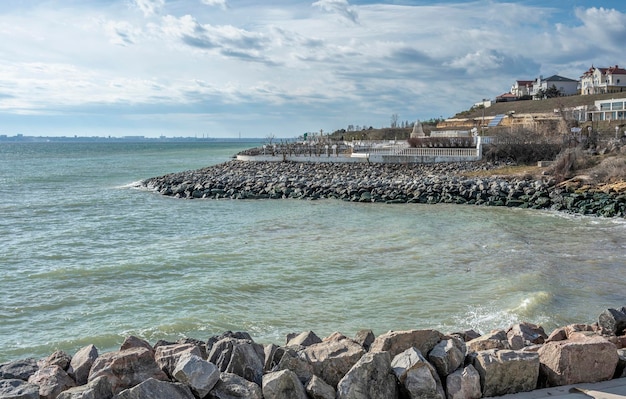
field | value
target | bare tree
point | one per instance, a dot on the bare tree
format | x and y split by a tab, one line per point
394	120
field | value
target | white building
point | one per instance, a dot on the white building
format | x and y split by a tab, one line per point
603	80
565	86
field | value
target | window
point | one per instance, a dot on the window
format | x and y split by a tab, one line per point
605	106
619	105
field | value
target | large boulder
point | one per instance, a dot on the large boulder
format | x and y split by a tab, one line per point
19	369
167	356
496	339
135	342
371	377
581	358
291	361
57	358
447	356
506	371
200	375
14	388
232	386
316	388
52	380
283	384
417	377
525	334
96	389
81	364
331	360
239	356
156	389
365	338
464	383
127	368
396	342
305	338
613	321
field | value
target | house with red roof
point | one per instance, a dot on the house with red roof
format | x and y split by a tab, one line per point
603	80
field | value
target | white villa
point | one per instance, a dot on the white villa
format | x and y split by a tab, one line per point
603	80
534	88
566	86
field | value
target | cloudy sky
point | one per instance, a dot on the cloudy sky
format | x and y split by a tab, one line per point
224	68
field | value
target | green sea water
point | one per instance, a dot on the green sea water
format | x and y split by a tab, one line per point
85	257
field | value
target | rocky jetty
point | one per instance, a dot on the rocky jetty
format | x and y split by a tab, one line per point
396	364
386	183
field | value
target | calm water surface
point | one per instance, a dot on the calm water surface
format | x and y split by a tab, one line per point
85	258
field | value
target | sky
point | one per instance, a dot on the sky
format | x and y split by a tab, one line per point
250	68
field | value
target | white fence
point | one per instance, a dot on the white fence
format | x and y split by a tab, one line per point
421	154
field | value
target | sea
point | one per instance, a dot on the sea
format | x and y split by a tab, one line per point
87	257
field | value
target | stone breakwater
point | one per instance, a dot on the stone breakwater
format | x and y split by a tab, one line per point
396	364
386	183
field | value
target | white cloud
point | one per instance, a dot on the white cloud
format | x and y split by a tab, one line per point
218	3
340	7
121	33
150	7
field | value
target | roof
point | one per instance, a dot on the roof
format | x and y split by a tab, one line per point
557	78
507	95
616	70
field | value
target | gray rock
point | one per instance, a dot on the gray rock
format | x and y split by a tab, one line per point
52	380
167	356
496	339
316	388
239	356
417	377
447	356
135	342
232	386
291	361
580	358
19	369
365	338
96	389
200	375
283	384
464	383
613	321
81	364
156	389
18	389
530	334
371	377
57	358
305	338
505	371
127	368
272	357
396	342
331	360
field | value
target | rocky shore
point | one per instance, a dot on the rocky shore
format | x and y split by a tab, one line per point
386	183
396	364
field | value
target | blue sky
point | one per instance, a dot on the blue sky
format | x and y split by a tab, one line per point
224	68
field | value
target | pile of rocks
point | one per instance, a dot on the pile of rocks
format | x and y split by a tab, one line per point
397	364
387	183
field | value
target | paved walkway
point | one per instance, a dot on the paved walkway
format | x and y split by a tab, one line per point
612	389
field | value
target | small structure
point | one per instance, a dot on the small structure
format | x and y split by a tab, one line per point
418	131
